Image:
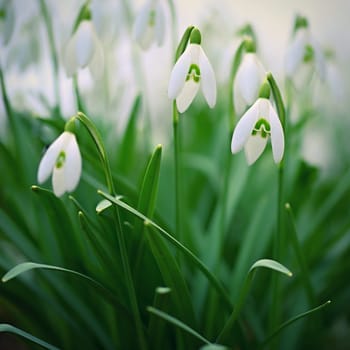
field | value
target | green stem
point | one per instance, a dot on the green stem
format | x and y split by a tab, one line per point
53	52
119	230
174	23
5	98
79	101
177	166
278	244
305	275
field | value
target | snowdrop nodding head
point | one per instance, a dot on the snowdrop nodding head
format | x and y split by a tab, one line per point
191	71
149	24
84	48
63	160
259	123
303	50
249	77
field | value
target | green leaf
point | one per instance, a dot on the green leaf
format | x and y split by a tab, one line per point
176	322
271	264
266	263
194	259
292	320
171	274
27	266
11	329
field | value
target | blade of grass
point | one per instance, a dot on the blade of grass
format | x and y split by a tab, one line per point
4	327
177	323
266	263
197	262
292	320
305	275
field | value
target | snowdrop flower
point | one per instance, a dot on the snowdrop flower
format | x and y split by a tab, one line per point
191	71
259	123
7	21
249	77
304	50
63	160
84	49
149	24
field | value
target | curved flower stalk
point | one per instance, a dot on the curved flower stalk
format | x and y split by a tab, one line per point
191	71
304	51
7	21
259	124
249	77
149	26
63	160
84	48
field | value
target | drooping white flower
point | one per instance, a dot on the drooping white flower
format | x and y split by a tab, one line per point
191	71
84	49
304	51
63	160
149	24
7	21
249	77
259	123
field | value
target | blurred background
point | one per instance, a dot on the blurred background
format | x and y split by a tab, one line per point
130	70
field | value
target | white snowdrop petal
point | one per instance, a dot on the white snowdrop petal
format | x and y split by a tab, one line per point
96	65
73	164
84	43
187	95
69	57
160	24
48	161
208	82
254	147
296	51
244	128
58	181
179	74
320	63
277	136
249	78
141	27
9	23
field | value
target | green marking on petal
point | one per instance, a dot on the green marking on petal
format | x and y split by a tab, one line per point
194	73
262	127
152	18
2	13
309	53
60	160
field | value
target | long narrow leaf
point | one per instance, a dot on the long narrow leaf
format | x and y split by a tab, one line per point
4	327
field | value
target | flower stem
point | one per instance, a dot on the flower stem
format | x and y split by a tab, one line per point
78	98
53	53
177	165
118	228
279	237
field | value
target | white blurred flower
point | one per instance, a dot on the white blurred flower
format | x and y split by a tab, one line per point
63	160
84	49
249	77
259	123
191	71
7	21
304	52
149	24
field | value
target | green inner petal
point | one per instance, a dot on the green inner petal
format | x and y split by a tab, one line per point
60	160
262	128
194	73
152	18
309	53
